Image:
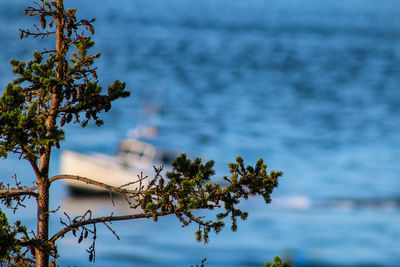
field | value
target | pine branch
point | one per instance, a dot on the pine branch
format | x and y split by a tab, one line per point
18	192
7	192
104	219
119	190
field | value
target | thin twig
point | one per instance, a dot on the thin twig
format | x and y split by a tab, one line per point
112	231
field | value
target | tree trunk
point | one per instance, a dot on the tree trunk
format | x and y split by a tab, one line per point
42	255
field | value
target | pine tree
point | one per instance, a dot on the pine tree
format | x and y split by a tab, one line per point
60	86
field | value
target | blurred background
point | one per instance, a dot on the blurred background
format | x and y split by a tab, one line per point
312	87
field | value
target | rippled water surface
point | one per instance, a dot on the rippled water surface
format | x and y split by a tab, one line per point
310	86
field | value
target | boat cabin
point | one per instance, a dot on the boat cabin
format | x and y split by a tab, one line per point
133	152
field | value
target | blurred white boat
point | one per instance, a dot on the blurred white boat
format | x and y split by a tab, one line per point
134	158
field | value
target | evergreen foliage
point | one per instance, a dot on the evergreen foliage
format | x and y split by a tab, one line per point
188	189
60	86
277	263
15	243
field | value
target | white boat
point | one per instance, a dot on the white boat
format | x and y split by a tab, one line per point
134	159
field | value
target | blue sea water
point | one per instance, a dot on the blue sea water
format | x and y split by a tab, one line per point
310	86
